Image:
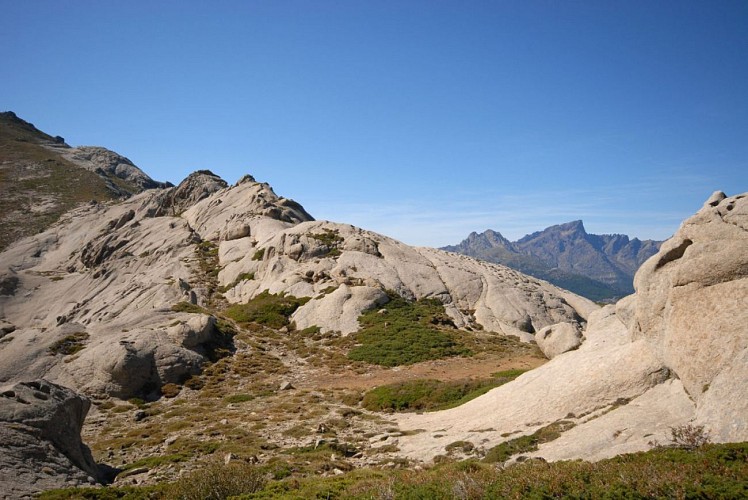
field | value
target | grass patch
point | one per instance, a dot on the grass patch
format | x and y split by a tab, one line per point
70	344
152	462
431	395
408	332
259	254
238	398
187	307
272	310
526	444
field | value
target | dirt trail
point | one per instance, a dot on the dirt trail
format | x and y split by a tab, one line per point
445	369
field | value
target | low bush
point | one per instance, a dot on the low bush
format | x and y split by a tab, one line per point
170	390
432	395
238	398
217	481
272	310
405	333
70	344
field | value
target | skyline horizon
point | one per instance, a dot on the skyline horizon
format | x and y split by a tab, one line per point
419	120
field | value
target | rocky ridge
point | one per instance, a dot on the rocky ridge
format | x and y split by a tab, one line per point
596	266
42	177
121	268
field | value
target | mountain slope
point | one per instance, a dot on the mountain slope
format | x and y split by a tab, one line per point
41	178
596	266
122	267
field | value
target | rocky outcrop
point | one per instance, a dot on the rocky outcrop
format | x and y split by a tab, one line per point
558	339
691	307
122	267
40	443
312	258
112	166
672	354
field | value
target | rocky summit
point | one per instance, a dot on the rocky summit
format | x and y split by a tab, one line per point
175	329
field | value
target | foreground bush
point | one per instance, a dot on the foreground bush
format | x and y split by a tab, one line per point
217	481
718	471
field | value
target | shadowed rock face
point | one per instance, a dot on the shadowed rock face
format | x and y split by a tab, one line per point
674	353
40	443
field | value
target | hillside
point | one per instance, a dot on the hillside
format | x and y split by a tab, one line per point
212	297
213	327
41	177
599	267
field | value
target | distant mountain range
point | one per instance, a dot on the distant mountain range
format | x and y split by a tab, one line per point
599	267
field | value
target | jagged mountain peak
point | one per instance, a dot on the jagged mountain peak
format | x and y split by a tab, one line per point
599	267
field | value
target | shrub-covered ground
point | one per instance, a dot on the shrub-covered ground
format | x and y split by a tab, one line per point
711	471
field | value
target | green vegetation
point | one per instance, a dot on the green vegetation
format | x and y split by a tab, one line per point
431	395
34	176
170	390
711	471
331	239
405	333
272	310
237	280
157	460
70	344
238	398
526	444
188	308
259	254
217	481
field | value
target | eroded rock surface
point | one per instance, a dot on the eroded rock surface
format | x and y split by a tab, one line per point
674	353
40	443
109	275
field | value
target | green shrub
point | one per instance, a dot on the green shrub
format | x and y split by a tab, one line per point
259	254
267	309
194	383
70	344
170	390
218	481
526	444
238	398
426	394
188	308
407	333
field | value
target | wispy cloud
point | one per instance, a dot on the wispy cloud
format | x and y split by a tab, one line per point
638	209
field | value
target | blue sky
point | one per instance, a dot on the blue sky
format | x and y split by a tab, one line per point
422	120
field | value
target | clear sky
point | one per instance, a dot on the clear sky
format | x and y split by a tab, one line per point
422	120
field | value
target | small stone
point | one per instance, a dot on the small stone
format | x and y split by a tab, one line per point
286	386
139	415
